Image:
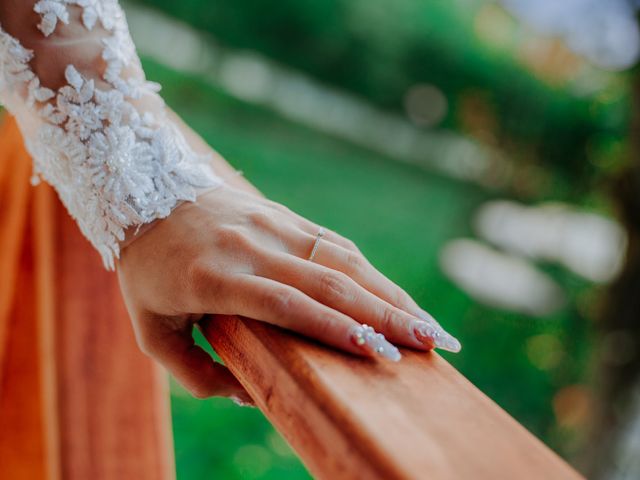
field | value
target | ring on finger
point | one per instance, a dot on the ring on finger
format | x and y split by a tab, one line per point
319	236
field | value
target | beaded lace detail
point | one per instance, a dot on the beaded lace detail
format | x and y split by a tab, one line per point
103	139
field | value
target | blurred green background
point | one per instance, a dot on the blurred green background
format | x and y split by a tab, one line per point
393	122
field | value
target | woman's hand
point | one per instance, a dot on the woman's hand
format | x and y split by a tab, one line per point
232	252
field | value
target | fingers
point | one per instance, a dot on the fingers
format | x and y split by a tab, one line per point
285	306
353	264
311	228
191	366
340	292
349	260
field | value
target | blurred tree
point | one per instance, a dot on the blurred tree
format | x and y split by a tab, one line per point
618	368
379	49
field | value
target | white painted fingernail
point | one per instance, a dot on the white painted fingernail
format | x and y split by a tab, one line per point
427	317
430	331
365	337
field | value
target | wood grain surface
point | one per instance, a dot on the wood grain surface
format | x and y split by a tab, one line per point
356	418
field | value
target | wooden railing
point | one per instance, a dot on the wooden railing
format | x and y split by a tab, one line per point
78	400
354	418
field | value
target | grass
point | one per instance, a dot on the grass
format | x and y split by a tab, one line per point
400	216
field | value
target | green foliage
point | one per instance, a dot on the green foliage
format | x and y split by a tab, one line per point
214	438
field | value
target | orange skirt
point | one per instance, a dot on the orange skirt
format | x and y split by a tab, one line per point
77	398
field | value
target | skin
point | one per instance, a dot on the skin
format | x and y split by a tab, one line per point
232	251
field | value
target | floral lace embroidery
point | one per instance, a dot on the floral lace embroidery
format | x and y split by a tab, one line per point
113	163
52	11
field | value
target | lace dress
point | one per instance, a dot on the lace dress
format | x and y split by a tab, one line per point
95	127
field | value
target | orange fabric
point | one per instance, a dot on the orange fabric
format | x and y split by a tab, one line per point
77	398
22	426
14	190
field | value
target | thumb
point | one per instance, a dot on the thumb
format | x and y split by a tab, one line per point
191	366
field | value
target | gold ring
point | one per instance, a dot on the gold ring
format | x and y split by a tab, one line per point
316	243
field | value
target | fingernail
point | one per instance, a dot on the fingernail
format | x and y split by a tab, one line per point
427	317
428	331
369	340
243	403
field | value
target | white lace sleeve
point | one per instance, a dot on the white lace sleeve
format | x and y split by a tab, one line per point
96	129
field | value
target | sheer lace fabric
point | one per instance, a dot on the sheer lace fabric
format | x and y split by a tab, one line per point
96	129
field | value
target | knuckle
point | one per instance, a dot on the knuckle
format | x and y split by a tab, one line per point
326	324
350	244
260	218
226	235
403	300
143	332
198	272
206	287
335	286
390	318
200	277
400	298
231	238
354	261
322	326
280	207
280	300
145	345
199	392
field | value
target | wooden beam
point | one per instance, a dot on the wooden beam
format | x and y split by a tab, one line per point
356	418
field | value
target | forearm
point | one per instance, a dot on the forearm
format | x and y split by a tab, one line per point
222	168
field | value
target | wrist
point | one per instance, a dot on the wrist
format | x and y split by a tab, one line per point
132	233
